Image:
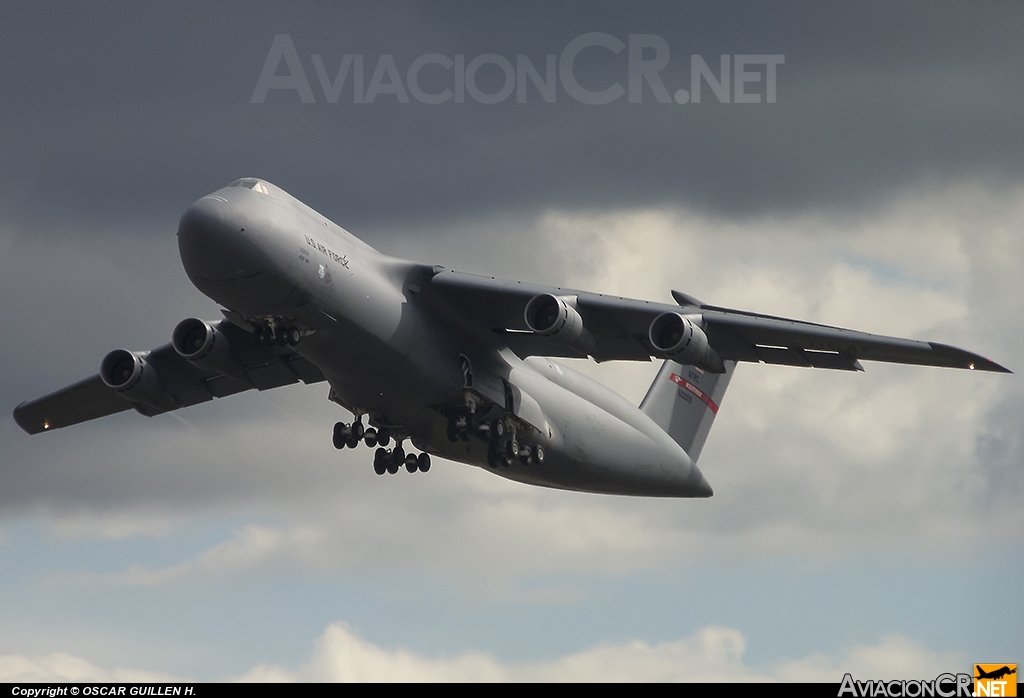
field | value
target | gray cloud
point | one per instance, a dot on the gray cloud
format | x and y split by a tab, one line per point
128	111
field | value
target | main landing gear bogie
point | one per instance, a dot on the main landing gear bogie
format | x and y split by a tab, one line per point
505	453
504	446
461	426
282	335
384	460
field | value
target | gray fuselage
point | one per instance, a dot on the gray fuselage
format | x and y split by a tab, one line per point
390	354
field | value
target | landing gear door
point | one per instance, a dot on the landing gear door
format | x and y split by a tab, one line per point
483	382
524	407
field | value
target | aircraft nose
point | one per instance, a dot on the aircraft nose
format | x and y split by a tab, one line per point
213	245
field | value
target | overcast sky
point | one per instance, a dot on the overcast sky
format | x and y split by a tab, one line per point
868	523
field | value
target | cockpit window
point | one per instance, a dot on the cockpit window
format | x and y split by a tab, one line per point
251	183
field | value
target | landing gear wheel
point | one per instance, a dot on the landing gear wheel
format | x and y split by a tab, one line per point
370	437
411	463
423	462
538	454
292	336
340	436
357	430
260	336
281	336
383	436
380	461
396	460
498	430
512	448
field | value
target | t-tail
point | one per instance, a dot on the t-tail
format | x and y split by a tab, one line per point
683	400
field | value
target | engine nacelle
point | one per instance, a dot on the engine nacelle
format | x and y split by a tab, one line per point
554	317
128	373
205	347
674	336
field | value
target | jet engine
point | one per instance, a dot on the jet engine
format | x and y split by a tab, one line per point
674	336
128	374
557	318
205	347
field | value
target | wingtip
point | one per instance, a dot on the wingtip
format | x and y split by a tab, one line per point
986	365
958	358
24	420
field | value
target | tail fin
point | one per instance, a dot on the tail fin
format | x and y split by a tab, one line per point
683	400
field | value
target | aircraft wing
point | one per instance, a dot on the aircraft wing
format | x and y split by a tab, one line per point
180	383
620	327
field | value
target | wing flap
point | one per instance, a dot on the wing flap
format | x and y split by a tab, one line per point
746	336
271	375
182	380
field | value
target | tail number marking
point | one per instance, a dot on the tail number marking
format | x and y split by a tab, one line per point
679	380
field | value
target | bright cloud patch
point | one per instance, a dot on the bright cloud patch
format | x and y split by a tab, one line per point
713	654
65	667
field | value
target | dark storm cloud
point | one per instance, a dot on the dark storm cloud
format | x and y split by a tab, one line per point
130	111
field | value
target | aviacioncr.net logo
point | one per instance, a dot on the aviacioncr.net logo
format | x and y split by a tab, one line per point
995	680
943	686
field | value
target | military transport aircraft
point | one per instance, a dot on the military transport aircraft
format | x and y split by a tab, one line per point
462	366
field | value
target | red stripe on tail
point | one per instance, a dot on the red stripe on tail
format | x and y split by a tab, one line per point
696	391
